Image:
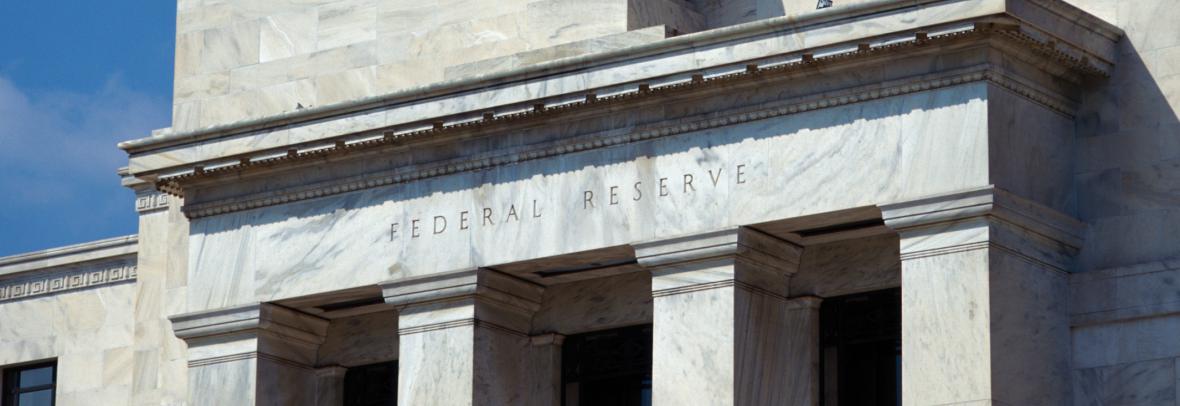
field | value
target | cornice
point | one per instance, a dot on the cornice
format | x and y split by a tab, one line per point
587	143
52	258
1063	56
797	22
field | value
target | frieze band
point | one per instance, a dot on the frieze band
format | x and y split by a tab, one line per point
67	280
1052	101
151	202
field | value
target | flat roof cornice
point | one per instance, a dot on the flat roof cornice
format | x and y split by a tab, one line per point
70	254
1076	20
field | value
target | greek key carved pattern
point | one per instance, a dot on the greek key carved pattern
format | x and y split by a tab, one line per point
41	284
151	202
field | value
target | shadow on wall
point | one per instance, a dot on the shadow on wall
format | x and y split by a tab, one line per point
1128	161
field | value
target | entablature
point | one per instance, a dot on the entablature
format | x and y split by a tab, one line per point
63	269
1048	34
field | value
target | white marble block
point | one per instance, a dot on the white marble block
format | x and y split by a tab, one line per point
463	338
984	299
801	339
259	354
720	316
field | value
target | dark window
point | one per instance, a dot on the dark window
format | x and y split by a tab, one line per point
610	367
30	385
861	340
371	385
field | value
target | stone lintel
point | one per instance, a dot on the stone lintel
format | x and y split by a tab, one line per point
736	256
463	297
985	217
248	331
330	385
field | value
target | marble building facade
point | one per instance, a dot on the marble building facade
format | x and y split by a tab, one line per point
681	202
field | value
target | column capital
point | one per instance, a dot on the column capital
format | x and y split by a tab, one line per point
547	339
489	296
752	246
740	256
984	217
259	328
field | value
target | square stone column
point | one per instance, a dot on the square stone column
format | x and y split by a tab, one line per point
984	299
258	354
463	338
330	386
720	318
803	352
544	369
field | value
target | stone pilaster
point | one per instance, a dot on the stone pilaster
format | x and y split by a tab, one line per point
463	337
803	352
159	364
720	318
544	370
330	386
984	297
259	354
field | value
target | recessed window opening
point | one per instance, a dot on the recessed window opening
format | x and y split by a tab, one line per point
30	385
861	349
371	385
607	368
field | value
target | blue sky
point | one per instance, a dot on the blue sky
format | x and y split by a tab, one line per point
76	77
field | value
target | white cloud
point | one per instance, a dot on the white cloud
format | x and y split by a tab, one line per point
58	156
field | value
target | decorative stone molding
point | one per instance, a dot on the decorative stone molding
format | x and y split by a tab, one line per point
150	201
493	300
41	283
760	263
265	331
591	142
410	132
987	217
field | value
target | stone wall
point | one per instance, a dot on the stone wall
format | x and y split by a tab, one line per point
89	332
1128	156
1125	323
1127	178
160	367
250	59
241	60
76	305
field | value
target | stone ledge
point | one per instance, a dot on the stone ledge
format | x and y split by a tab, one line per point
68	255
